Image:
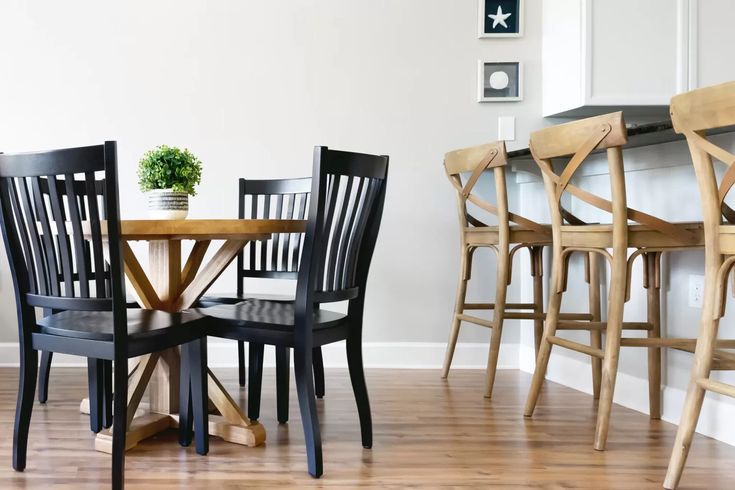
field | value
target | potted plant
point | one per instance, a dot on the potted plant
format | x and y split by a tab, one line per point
168	176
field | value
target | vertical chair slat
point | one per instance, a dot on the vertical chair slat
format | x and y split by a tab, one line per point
31	224
47	237
25	242
97	254
253	215
241	254
300	214
332	196
287	236
345	240
371	193
64	245
336	238
264	243
276	236
78	234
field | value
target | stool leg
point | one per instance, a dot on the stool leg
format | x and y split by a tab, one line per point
695	394
653	293
465	266
501	289
616	304
552	321
593	279
537	254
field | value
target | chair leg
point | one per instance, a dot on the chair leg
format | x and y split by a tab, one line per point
107	394
307	404
458	310
43	375
119	423
95	379
196	357
186	417
318	366
695	394
593	292
653	293
24	406
616	304
255	352
283	357
357	377
501	289
241	362
552	321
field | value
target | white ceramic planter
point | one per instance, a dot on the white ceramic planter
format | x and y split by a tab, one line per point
167	204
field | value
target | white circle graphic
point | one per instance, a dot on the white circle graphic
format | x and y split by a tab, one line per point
499	80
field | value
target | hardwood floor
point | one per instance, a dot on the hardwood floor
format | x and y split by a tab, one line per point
428	433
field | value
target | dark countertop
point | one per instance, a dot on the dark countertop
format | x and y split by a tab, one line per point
654	133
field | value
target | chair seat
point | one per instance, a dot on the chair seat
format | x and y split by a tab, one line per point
489	235
98	325
639	236
273	315
234	298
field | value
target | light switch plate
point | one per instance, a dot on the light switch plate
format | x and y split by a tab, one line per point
507	128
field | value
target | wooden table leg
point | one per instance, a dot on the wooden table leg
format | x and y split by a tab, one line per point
171	289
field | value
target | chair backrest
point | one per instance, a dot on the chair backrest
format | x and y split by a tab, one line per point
477	160
82	194
348	191
278	257
693	113
58	242
575	141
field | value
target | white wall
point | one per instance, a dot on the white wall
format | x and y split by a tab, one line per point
250	87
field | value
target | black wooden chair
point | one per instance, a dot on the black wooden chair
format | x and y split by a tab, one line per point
277	258
93	320
348	191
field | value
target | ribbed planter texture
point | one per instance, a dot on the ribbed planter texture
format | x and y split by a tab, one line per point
167	204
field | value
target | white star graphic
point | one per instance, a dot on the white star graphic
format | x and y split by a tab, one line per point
499	18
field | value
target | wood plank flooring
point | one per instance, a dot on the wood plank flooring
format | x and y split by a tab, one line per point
429	433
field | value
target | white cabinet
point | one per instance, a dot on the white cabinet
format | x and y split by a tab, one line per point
711	42
600	55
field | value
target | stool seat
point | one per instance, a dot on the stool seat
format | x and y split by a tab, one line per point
639	236
489	235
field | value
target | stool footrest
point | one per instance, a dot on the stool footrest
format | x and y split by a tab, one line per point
477	321
717	387
576	346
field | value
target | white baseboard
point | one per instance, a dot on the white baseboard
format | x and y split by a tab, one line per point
632	392
393	355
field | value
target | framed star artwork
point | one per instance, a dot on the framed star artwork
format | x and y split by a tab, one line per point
499	81
500	18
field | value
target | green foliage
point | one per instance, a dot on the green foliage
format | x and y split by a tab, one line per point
166	167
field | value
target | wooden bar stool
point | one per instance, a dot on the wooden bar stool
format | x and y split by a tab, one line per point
650	236
523	233
694	113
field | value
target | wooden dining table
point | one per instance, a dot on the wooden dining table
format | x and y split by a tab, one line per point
167	285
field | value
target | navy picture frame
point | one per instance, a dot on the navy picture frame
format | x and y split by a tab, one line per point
500	18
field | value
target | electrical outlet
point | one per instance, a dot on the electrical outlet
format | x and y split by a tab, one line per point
696	290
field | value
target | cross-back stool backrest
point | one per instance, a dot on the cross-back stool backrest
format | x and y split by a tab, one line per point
693	113
63	254
575	141
348	191
477	160
278	257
